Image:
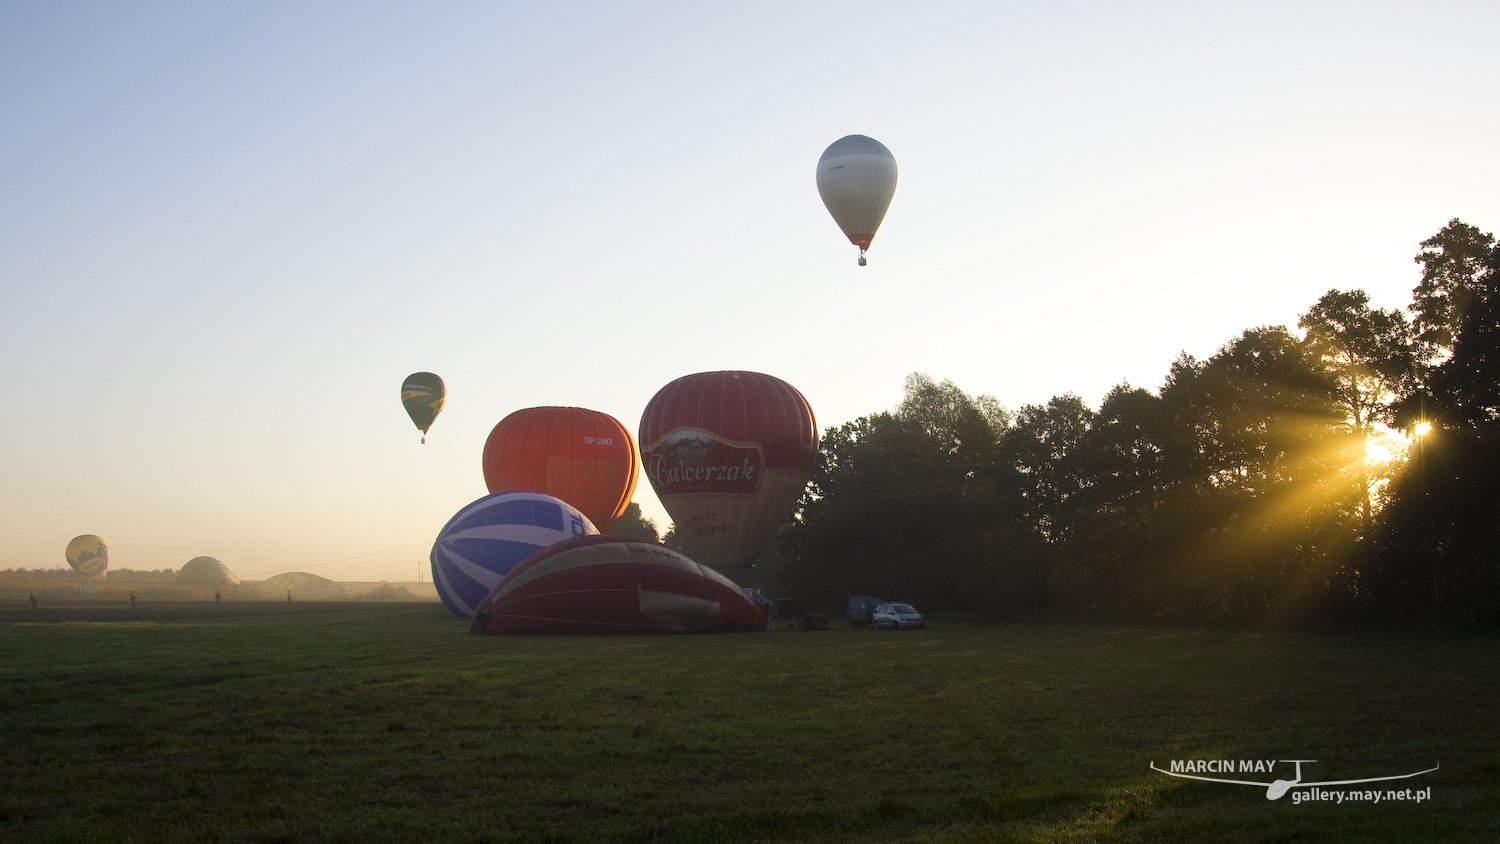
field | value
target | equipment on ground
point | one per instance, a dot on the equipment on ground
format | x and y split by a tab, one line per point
861	608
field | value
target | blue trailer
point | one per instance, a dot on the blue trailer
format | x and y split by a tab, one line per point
861	608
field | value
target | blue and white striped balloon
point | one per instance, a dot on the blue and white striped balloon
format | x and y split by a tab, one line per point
486	539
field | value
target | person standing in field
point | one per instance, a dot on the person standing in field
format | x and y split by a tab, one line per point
288	596
132	600
217	597
33	602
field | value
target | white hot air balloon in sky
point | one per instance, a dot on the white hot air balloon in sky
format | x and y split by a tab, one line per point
857	178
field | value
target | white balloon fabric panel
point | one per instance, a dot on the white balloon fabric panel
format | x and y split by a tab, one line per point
485	540
857	180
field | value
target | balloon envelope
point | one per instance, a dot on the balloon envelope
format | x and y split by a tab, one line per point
485	540
728	454
303	585
615	584
205	571
857	179
582	456
88	555
423	394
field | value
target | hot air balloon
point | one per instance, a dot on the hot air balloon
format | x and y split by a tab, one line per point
615	584
728	454
88	555
485	540
304	585
422	394
857	178
584	457
205	571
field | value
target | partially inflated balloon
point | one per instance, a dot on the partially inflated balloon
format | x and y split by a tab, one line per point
422	394
728	454
857	179
485	540
88	555
615	584
582	456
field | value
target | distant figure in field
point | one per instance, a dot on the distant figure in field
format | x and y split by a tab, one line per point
288	596
217	597
33	602
132	600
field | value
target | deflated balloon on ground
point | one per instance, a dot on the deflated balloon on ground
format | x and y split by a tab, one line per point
615	585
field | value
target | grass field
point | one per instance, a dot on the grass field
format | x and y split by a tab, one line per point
361	722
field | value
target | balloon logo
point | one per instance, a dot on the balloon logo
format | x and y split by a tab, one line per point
88	555
857	179
584	457
422	394
729	454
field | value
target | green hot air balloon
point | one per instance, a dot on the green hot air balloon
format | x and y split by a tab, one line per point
422	393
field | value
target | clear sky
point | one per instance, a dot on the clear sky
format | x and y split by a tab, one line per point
228	231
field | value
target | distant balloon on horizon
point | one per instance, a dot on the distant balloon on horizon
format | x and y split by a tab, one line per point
423	394
857	179
88	555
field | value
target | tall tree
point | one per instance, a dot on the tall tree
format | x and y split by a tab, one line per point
1452	260
901	504
1368	351
1261	489
1444	537
1042	450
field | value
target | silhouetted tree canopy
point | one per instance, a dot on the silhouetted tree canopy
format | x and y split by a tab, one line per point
1248	485
633	523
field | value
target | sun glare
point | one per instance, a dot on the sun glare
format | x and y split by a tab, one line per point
1377	452
1423	428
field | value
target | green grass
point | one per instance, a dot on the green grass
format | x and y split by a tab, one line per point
357	723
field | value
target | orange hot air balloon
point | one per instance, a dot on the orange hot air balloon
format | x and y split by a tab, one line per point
582	456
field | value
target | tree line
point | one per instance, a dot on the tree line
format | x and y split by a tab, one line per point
1349	469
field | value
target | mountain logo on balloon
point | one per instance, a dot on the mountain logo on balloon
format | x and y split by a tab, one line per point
689	461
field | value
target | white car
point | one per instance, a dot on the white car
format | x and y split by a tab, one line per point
897	617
